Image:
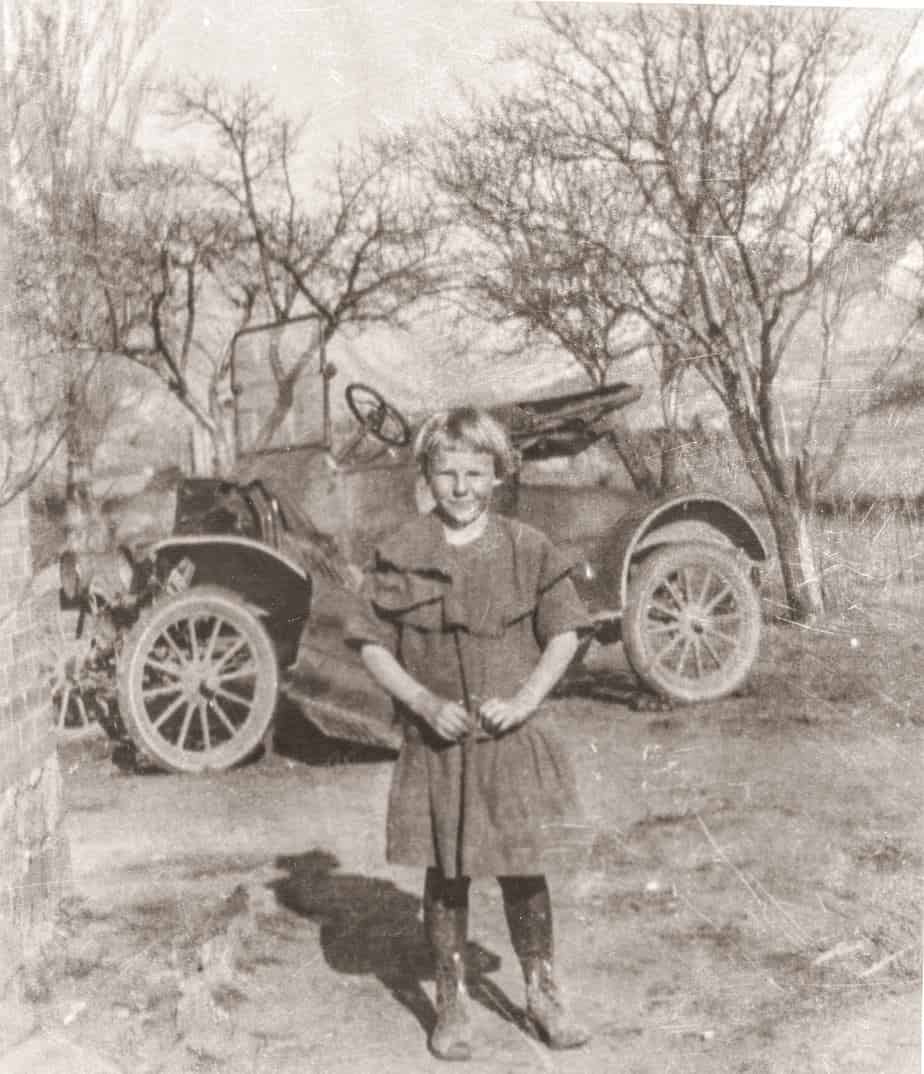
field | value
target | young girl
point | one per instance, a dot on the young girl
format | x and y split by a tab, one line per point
472	621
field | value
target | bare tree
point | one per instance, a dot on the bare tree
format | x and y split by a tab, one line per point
364	251
30	406
76	90
30	410
720	123
539	237
164	266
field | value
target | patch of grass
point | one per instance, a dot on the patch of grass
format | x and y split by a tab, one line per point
866	546
659	902
609	851
663	724
884	855
727	936
845	665
660	820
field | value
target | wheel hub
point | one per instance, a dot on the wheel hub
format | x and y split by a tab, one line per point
692	622
195	679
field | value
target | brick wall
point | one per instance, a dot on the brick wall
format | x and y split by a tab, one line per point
33	848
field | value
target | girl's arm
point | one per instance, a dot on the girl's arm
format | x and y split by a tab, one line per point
503	715
447	718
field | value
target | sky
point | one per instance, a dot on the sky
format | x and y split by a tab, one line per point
371	65
358	65
354	65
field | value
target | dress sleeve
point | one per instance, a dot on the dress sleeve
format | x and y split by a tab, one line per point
558	606
364	625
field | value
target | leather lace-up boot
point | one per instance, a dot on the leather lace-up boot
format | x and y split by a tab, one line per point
452	1035
547	1010
446	923
528	909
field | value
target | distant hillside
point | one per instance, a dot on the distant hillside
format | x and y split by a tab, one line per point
421	371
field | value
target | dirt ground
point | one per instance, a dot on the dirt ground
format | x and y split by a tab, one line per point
746	897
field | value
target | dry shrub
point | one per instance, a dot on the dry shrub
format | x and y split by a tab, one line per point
856	665
867	547
864	539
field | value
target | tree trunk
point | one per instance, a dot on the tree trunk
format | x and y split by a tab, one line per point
86	529
624	441
790	519
225	459
796	550
75	476
673	475
222	435
285	399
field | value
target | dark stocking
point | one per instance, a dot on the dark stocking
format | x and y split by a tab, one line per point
528	909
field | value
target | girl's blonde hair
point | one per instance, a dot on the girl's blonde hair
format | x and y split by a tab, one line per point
471	429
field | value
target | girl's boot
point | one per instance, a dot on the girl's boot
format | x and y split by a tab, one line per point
446	923
528	910
547	1010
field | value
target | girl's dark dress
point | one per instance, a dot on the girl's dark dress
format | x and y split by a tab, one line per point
470	623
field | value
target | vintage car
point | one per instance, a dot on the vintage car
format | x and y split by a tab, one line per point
243	602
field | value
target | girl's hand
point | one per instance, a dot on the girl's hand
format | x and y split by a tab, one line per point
448	719
499	716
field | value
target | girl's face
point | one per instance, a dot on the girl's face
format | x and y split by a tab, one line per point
462	483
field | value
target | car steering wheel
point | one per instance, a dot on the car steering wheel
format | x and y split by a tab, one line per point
376	416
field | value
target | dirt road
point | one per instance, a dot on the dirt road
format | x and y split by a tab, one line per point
747	898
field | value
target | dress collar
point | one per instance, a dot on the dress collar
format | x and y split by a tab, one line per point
421	546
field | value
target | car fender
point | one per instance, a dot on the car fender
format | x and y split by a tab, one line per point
272	585
700	517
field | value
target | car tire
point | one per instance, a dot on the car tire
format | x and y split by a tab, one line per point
692	622
198	681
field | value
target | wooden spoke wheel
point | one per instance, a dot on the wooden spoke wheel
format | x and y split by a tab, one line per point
198	679
693	622
66	647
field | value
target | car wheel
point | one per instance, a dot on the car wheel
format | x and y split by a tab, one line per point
65	651
198	680
692	624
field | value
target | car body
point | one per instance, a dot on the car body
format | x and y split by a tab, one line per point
244	602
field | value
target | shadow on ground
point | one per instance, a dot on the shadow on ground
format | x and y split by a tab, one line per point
296	738
614	687
369	927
